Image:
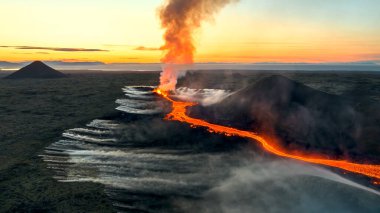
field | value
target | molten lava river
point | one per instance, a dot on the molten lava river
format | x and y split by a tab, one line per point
178	113
150	164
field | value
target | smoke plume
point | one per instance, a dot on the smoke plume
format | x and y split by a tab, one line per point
180	18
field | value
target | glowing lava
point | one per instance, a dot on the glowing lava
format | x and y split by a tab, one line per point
178	113
180	19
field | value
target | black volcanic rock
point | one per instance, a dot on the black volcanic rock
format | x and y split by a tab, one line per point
36	69
299	115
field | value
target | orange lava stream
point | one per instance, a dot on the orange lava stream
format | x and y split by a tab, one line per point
178	113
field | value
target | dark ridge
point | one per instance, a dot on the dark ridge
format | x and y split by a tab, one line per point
302	117
36	69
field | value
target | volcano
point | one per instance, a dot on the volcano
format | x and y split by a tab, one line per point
36	69
302	117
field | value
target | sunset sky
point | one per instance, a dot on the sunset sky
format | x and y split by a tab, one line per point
248	31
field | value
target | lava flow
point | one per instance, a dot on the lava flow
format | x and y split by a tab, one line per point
178	113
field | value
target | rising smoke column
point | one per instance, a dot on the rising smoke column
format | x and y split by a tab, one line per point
180	18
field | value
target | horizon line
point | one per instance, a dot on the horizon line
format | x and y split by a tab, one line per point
63	62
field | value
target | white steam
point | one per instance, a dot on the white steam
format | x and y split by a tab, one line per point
205	97
272	186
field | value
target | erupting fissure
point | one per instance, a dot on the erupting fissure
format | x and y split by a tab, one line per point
180	18
178	113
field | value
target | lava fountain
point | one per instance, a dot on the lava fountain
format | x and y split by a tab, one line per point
180	18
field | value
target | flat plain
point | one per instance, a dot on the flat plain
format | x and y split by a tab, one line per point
34	113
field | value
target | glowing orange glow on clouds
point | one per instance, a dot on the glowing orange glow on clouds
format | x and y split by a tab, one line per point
178	113
250	31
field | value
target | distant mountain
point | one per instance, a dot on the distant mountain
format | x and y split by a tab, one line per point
6	63
36	69
73	64
10	65
301	116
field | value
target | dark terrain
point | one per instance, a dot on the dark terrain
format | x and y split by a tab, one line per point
302	117
34	113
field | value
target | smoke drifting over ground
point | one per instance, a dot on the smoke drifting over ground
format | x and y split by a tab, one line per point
270	186
205	97
180	19
152	165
